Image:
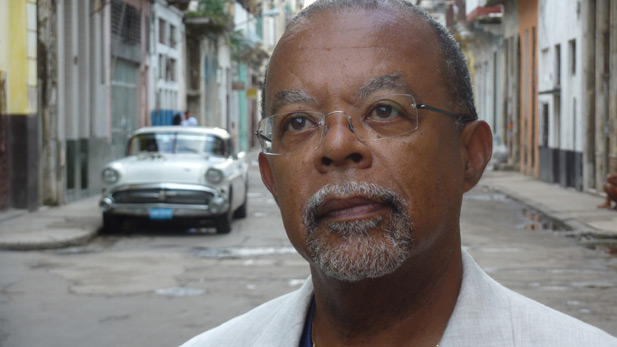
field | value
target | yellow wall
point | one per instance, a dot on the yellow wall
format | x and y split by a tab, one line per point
3	50
18	55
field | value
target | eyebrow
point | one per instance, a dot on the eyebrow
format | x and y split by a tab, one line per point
291	96
392	82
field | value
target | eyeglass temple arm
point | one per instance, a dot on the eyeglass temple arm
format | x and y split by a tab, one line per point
262	136
434	109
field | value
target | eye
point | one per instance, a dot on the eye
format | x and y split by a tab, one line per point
298	122
385	110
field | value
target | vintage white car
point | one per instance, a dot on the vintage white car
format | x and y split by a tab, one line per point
176	173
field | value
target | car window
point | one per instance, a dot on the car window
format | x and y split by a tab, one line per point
160	142
216	146
179	143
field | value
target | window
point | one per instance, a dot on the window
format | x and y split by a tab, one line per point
557	65
162	63
545	125
172	36
171	70
572	46
125	22
162	27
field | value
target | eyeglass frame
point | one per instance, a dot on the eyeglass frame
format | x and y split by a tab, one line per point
459	118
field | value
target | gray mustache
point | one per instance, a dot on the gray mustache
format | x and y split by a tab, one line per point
348	190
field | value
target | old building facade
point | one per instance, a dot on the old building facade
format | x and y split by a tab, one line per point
558	73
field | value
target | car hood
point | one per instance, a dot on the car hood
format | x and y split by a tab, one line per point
169	168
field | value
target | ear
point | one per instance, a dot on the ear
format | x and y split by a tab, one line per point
266	174
478	146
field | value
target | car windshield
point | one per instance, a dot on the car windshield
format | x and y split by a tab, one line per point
178	143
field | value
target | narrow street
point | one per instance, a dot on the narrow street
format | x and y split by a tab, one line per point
157	287
80	79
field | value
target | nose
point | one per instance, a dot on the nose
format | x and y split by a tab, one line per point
349	122
340	147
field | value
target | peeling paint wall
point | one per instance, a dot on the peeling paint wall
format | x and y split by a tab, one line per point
19	94
50	179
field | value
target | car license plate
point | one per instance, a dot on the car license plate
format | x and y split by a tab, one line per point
161	213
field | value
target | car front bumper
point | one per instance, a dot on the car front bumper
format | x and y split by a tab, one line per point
175	200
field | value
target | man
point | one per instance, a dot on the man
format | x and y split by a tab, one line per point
177	120
611	190
189	120
370	139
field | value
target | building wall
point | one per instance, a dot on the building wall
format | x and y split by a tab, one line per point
128	70
204	79
19	105
167	77
242	114
50	178
511	90
605	88
560	89
5	192
223	80
101	83
80	131
274	26
528	27
488	64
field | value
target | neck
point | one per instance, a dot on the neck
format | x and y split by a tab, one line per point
409	307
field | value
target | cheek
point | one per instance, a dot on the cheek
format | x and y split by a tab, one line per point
293	190
432	182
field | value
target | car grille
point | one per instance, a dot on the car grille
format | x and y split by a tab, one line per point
156	195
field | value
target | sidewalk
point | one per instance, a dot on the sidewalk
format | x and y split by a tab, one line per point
575	209
77	222
50	227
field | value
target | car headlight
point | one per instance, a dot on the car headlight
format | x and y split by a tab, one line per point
110	175
214	175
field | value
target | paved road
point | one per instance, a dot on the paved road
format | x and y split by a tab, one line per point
158	287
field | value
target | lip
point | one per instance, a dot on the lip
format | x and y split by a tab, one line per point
350	209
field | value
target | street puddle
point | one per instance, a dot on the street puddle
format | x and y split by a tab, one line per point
492	196
535	220
594	284
241	252
605	243
179	291
501	249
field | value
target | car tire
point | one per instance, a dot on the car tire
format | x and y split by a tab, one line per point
223	222
111	223
241	212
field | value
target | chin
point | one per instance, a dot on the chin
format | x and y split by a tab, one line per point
359	257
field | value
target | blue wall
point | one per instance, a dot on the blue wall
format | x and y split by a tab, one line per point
162	117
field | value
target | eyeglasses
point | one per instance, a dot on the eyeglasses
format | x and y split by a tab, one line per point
382	118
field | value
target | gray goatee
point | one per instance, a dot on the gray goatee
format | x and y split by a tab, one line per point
356	255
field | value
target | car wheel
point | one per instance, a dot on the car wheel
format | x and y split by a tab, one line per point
223	222
112	223
241	211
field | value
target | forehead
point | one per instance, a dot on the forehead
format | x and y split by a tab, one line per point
334	53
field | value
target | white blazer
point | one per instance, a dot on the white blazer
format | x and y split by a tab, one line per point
486	314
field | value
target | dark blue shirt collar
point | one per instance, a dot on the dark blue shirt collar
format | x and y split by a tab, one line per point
306	340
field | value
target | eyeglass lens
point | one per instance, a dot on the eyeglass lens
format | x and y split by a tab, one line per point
386	117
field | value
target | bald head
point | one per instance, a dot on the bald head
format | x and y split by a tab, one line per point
453	67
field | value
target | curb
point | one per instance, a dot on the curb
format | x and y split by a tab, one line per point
574	226
51	244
